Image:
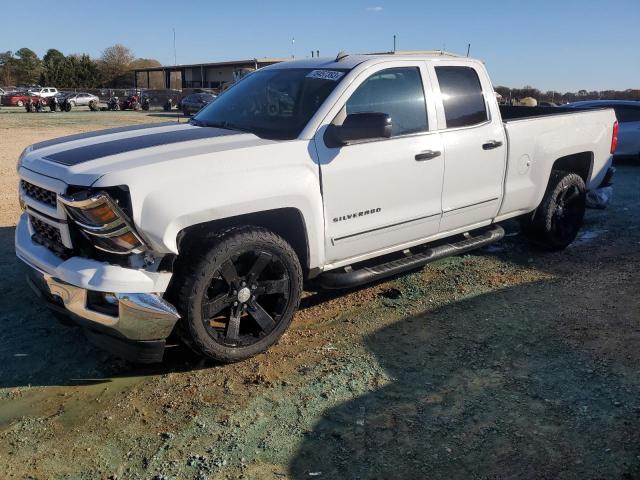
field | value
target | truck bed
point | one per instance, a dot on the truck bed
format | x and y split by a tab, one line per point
511	112
539	136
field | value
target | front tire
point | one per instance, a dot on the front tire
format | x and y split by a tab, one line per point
237	298
556	222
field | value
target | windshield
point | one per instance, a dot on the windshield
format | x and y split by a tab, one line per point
275	104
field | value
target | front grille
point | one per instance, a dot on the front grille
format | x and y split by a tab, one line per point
38	193
47	235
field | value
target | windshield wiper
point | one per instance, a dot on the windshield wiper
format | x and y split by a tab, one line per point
226	125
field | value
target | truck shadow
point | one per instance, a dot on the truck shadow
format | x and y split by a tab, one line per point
539	380
493	387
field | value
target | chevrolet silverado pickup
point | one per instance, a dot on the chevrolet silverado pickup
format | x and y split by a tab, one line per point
341	171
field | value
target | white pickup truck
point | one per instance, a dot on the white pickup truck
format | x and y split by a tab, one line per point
341	170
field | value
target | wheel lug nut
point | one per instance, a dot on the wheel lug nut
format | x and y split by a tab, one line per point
235	292
244	284
235	304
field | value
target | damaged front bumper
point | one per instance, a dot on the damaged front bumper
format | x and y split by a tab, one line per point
121	309
136	328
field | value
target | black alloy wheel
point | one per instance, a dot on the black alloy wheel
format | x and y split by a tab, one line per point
558	218
237	296
246	299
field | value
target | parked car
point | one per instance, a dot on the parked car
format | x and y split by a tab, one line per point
81	99
332	170
18	99
194	103
628	114
44	92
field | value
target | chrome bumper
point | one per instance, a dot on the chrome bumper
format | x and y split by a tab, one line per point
140	317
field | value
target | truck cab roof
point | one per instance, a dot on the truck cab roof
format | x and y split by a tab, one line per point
349	61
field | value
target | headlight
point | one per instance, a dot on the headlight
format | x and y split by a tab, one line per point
22	155
104	223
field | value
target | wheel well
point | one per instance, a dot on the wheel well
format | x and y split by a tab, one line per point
286	222
579	163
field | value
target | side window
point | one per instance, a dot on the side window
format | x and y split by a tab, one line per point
462	96
397	92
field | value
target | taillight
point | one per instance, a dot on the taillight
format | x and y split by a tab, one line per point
614	137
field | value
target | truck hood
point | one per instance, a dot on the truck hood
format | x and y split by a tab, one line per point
84	158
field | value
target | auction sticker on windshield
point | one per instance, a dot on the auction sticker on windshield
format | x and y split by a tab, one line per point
325	74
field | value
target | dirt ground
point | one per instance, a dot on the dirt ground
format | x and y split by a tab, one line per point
507	363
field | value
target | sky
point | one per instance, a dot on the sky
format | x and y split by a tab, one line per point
563	45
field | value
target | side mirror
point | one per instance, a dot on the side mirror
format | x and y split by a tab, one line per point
359	126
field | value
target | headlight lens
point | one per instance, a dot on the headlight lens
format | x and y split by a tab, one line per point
99	216
104	223
120	243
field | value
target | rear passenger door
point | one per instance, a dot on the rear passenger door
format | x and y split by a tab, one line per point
474	144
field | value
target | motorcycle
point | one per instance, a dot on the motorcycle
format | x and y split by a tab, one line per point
65	106
113	104
54	104
146	103
131	103
168	105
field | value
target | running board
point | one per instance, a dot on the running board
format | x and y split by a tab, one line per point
360	276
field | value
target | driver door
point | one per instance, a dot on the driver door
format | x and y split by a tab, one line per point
383	194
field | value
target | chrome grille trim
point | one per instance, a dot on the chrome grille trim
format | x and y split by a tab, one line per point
39	194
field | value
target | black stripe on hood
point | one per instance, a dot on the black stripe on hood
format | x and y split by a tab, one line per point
184	133
97	133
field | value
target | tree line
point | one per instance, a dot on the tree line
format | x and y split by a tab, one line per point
78	70
114	67
559	97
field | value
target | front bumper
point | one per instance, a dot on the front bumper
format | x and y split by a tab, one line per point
138	319
137	332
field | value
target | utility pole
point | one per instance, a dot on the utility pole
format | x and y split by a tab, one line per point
175	57
394	43
293	44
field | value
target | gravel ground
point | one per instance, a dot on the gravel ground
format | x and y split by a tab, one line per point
507	363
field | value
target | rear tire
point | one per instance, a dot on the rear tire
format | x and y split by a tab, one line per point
238	297
558	218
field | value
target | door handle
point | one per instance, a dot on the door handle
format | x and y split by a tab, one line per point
427	155
491	144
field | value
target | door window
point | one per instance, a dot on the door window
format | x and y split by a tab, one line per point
398	92
462	96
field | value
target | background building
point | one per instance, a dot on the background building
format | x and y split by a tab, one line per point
197	75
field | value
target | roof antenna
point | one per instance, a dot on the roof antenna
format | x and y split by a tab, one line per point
341	54
468	48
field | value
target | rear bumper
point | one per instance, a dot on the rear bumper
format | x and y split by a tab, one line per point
136	330
608	177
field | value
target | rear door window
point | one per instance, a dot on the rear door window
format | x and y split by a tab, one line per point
398	92
462	96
